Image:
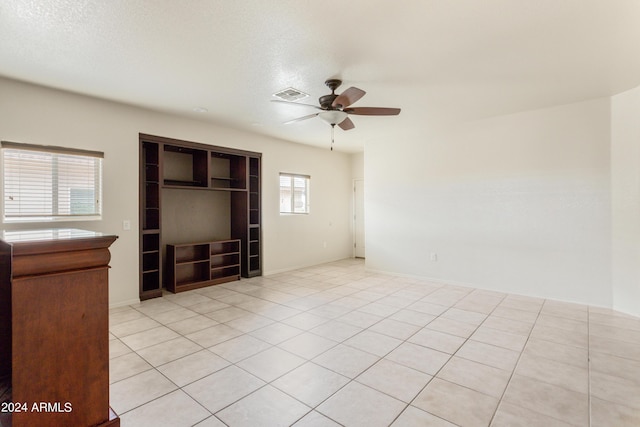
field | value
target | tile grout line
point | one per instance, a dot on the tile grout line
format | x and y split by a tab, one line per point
513	372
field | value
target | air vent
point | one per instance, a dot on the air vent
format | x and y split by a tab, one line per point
290	94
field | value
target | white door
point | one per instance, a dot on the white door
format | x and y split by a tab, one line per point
358	217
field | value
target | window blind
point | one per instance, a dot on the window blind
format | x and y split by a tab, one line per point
49	183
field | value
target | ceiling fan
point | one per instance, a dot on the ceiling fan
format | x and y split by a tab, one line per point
335	109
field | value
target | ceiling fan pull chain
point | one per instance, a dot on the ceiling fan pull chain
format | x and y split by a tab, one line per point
333	126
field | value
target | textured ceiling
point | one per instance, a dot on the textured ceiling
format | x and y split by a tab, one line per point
439	60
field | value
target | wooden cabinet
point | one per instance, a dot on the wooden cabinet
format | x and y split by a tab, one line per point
192	266
54	339
192	172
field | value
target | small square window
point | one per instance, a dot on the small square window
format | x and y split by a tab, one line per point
294	193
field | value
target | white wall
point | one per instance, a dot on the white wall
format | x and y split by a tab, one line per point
37	115
324	234
625	165
517	203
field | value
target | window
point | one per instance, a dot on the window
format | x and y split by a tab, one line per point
294	193
42	183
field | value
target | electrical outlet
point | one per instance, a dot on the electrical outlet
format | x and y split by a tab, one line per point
126	224
434	257
324	245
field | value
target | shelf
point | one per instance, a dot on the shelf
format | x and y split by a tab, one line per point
199	261
236	266
254	216
203	188
254	166
152	195
186	274
225	254
224	260
150	280
150	242
231	273
151	261
191	253
150	153
152	173
180	183
151	220
223	247
254	248
254	263
228	189
192	266
253	184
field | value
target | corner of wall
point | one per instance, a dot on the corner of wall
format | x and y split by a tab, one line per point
625	201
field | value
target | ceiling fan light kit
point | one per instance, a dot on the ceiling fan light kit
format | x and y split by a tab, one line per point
333	117
335	109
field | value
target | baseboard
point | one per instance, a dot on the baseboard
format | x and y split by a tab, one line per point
293	268
124	303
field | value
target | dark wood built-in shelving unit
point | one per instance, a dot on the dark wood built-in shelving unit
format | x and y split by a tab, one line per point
173	165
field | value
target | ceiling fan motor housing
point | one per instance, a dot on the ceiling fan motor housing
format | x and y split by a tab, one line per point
326	100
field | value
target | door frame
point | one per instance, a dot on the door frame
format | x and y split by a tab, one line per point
355	219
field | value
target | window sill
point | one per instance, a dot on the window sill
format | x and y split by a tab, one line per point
49	220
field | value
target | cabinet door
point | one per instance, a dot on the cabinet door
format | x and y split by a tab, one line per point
61	347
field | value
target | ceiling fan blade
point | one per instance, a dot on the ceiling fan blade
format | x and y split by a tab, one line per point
299	119
296	103
346	124
348	97
373	111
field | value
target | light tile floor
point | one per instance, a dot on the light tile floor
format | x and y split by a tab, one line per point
335	345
